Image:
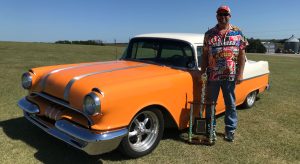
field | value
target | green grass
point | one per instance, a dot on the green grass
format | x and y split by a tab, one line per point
267	133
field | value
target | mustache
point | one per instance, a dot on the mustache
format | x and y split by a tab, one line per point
223	21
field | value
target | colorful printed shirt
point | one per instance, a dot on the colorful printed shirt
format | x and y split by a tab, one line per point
223	51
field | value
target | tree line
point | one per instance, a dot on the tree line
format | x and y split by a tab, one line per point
255	46
83	42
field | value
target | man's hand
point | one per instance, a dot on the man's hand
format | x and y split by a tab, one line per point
239	79
202	72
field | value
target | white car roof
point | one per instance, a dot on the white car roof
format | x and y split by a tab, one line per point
189	37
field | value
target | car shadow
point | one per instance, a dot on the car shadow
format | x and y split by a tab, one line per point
182	135
172	133
50	149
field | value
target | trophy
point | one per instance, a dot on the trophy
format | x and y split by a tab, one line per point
199	133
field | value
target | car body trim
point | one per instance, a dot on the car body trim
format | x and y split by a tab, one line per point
28	106
71	82
255	76
44	80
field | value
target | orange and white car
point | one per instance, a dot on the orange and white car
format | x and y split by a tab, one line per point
99	106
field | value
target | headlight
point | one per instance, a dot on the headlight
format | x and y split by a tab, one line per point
91	104
26	80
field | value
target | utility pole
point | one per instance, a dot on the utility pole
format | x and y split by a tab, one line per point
116	52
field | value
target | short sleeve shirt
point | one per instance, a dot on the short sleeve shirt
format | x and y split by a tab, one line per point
223	51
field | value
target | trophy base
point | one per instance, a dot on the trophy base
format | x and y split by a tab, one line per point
201	141
198	140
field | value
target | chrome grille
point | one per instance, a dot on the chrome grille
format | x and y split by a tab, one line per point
53	113
62	103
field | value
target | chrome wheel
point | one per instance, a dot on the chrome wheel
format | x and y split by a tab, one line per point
251	98
143	131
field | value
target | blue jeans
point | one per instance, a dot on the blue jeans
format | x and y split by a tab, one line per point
213	89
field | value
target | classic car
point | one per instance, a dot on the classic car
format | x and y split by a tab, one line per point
126	104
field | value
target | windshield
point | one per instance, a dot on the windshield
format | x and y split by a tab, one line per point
161	51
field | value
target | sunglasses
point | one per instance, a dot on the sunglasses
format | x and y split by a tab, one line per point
223	14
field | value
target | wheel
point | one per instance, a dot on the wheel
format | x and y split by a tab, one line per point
250	100
145	132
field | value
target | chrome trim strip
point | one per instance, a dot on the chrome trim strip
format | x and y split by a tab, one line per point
98	90
255	76
27	106
71	82
80	138
32	71
60	102
44	80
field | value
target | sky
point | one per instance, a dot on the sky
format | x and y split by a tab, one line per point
106	20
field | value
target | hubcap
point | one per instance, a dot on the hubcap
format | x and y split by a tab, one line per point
143	131
251	98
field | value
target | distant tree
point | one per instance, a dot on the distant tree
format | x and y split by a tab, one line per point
88	42
255	46
273	40
282	41
75	42
84	42
63	42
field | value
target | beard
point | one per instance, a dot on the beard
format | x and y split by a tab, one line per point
223	21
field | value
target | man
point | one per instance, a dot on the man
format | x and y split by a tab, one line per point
223	60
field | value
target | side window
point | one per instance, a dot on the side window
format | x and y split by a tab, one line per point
161	51
199	54
171	50
144	50
188	51
168	51
176	54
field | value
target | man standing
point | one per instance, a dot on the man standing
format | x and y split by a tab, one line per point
223	59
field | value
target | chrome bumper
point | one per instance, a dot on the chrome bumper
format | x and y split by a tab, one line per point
74	135
268	87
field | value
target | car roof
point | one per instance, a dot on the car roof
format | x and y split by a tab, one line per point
189	37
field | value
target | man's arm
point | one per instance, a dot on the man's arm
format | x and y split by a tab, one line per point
204	62
204	59
241	63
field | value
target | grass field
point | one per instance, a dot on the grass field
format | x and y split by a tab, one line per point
267	133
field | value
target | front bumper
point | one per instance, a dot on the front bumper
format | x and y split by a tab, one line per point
74	135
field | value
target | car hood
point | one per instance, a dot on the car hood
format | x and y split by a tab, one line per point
73	82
